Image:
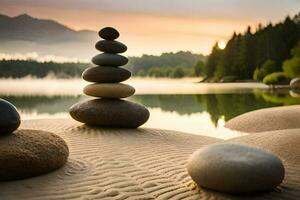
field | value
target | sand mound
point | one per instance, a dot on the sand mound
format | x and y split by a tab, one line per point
284	143
268	119
126	164
28	153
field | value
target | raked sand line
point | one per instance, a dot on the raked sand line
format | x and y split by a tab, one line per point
126	164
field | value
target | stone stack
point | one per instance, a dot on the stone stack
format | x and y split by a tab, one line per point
108	110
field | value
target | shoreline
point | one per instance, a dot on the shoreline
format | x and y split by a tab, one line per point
73	87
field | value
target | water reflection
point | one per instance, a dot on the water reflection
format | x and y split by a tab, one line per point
217	108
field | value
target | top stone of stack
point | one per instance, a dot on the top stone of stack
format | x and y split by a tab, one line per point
110	48
109	33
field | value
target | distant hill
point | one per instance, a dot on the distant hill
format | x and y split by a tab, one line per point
27	28
23	34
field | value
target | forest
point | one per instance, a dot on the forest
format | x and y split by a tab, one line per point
173	65
23	68
270	54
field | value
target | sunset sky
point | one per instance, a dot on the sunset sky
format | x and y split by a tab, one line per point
156	26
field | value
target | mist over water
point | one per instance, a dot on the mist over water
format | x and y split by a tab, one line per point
50	86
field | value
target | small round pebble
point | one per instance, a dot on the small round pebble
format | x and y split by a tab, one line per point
109	90
9	117
113	47
106	74
28	153
113	113
235	168
109	33
107	59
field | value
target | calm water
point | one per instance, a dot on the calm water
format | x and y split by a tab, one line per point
204	111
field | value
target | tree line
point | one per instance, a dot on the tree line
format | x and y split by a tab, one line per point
23	68
270	52
172	65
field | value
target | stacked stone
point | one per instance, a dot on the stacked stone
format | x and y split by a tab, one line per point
108	110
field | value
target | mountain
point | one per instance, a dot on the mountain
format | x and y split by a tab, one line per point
23	34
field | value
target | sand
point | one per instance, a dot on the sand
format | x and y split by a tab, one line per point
268	119
127	164
284	143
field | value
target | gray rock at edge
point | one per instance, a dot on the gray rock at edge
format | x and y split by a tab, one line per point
295	83
9	117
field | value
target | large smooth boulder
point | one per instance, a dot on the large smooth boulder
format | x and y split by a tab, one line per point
110	113
283	143
109	90
9	117
107	59
269	119
106	74
235	168
111	46
28	153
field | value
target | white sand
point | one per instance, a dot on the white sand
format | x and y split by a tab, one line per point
126	164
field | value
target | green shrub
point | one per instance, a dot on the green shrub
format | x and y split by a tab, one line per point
228	79
142	73
268	67
156	72
178	72
292	67
276	78
198	68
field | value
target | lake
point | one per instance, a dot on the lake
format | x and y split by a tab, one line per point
177	104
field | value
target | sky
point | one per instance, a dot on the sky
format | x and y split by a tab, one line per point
156	26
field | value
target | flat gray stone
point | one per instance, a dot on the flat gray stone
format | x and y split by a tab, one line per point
113	47
109	33
28	153
107	59
113	113
106	74
109	90
235	168
9	117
